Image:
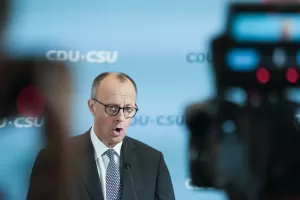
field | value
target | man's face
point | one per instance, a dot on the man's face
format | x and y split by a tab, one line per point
112	129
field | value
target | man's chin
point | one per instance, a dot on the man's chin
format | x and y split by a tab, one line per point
117	138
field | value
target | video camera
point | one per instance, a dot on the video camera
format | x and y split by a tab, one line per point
246	140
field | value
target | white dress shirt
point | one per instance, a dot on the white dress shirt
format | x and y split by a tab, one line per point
103	160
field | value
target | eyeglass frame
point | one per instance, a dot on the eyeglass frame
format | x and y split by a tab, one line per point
120	108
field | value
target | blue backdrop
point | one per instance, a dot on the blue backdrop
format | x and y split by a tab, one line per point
163	45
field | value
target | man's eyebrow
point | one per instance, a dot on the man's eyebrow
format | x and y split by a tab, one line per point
116	104
113	104
129	104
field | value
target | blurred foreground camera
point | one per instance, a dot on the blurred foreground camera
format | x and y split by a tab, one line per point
246	140
32	87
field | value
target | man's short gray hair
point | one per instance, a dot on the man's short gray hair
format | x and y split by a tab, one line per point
122	77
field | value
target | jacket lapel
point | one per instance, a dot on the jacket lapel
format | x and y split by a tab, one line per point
129	157
88	169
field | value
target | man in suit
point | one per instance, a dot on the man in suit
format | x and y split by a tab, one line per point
111	165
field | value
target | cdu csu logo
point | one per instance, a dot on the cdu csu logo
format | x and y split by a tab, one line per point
199	57
77	56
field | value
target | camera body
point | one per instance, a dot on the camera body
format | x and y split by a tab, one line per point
246	139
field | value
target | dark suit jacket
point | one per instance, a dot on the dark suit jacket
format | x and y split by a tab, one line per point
150	175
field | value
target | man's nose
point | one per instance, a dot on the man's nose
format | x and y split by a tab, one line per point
120	116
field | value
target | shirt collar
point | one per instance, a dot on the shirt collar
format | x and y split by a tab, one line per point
100	148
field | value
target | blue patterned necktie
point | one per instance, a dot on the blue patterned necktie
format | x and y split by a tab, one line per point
113	186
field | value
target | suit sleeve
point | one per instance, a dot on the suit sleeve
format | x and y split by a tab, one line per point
164	187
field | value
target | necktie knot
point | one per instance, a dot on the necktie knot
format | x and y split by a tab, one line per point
110	153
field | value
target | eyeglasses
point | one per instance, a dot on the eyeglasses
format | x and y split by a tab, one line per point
113	110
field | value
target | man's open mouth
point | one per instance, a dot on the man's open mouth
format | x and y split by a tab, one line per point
118	129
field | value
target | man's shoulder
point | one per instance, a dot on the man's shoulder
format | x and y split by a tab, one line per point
71	143
142	147
78	139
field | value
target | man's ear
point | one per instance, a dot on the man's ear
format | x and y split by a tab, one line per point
91	106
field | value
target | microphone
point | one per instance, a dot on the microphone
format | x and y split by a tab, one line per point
128	166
